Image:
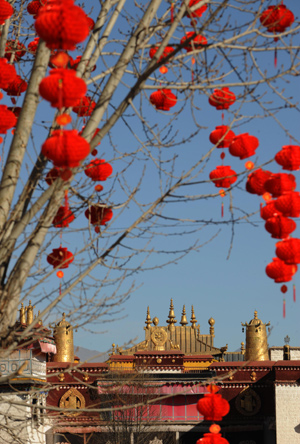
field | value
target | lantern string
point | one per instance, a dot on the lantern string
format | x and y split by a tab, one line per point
172	11
283	309
294	293
275	57
222	209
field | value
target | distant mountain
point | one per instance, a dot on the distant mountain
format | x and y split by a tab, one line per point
85	354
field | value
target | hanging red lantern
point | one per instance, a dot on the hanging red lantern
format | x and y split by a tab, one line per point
279	226
60	258
163	99
98	215
223	176
52	175
277	19
279	271
91	23
84	107
7	73
213	407
168	50
195	43
34	6
74	63
288	250
32	46
280	183
256	181
65	148
6	11
63	218
16	87
243	146
221	136
16	48
222	98
7	119
269	210
289	204
62	88
212	438
61	24
98	170
289	157
196	12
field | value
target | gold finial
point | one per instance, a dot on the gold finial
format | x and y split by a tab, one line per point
211	322
155	321
255	314
193	318
171	318
63	337
22	314
256	340
148	319
29	310
183	320
243	348
41	320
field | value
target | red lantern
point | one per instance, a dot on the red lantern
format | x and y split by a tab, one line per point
243	146
91	23
196	43
32	46
279	271
223	176
60	258
16	48
269	210
7	119
61	24
98	170
212	438
163	99
279	226
168	50
98	215
221	136
84	107
213	407
288	250
34	6
6	11
62	88
52	175
289	157
280	183
65	148
289	204
7	73
16	87
196	12
74	63
222	98
277	18
16	110
63	218
256	181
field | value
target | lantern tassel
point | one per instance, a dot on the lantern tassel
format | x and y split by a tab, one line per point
222	209
294	293
222	118
66	200
283	309
192	68
275	57
172	11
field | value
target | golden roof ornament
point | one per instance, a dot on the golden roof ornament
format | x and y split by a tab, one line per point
63	337
211	323
155	321
256	340
148	319
29	311
183	320
22	314
41	320
193	318
171	318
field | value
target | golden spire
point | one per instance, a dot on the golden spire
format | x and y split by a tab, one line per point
63	337
183	320
22	314
148	319
29	310
171	318
41	320
193	318
256	340
211	322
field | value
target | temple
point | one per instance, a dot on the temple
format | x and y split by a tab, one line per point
148	393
